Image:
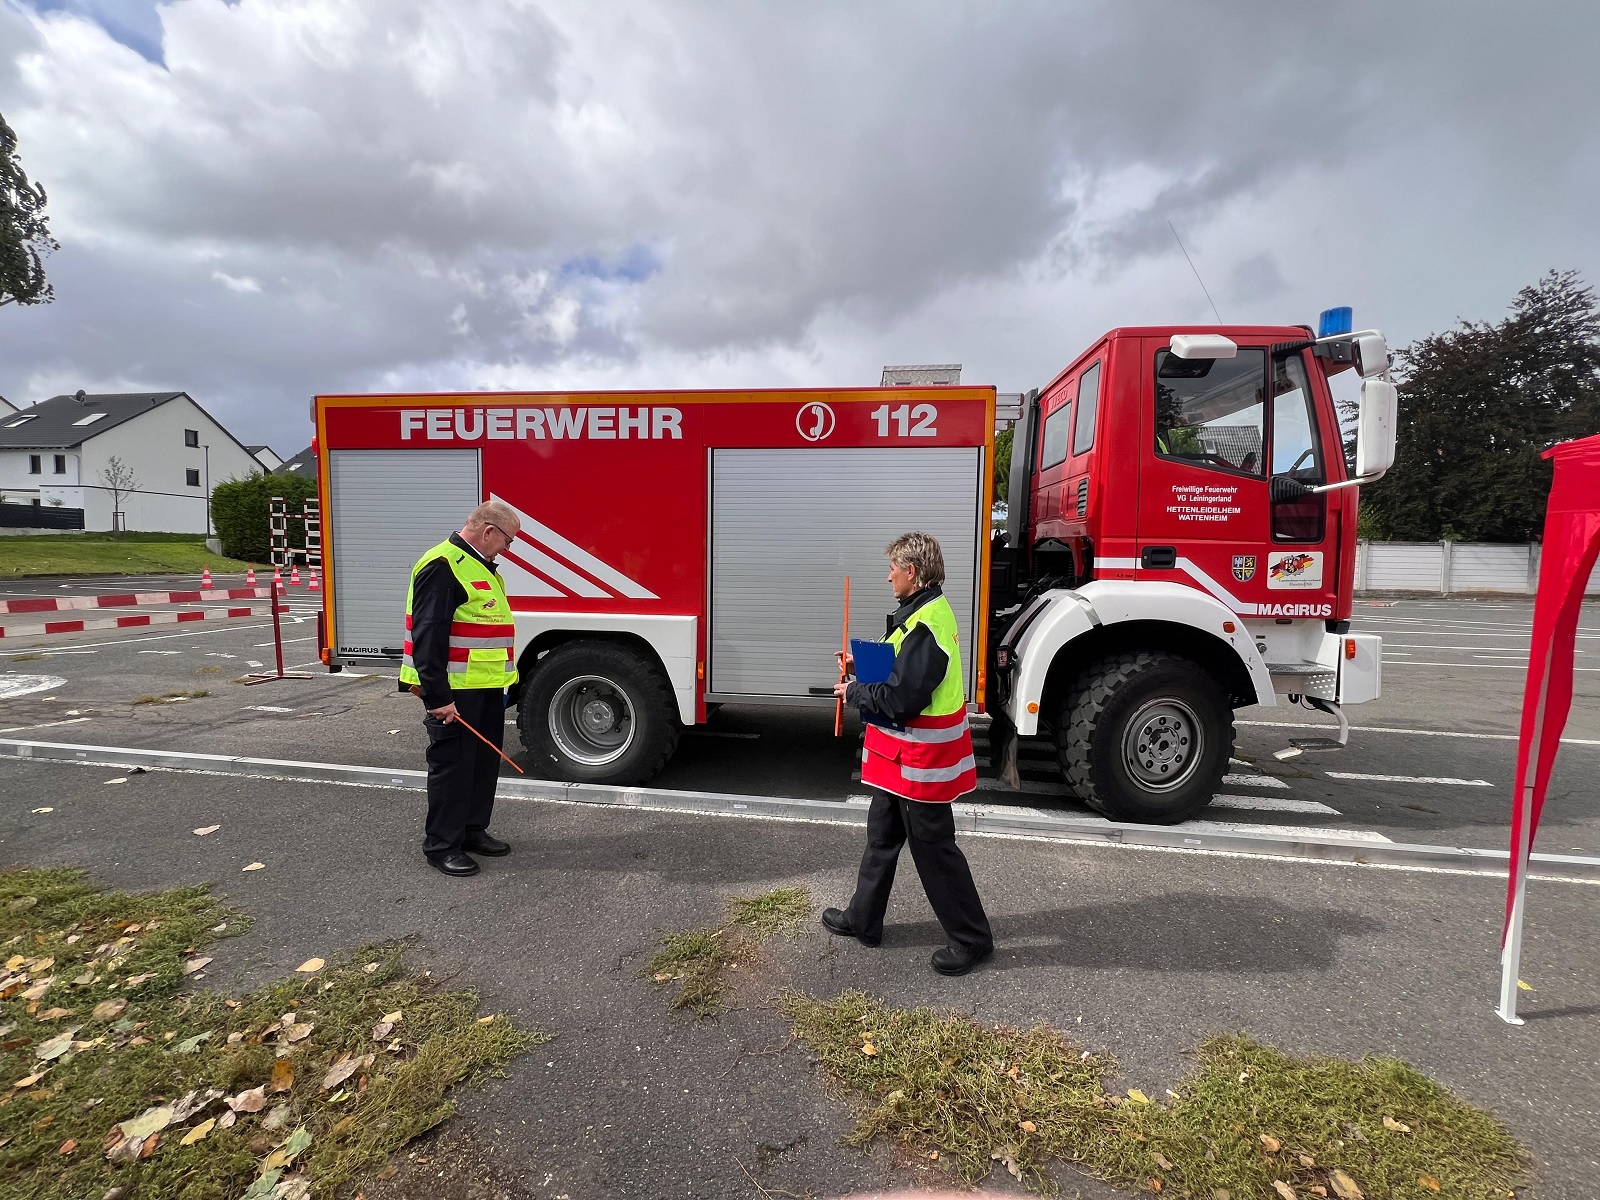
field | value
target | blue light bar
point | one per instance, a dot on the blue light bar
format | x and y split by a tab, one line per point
1335	321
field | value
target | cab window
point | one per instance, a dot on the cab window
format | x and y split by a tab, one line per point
1056	428
1210	411
1088	410
1296	453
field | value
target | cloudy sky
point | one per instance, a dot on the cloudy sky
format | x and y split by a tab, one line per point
258	200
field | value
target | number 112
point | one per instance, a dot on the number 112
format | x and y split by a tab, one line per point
923	415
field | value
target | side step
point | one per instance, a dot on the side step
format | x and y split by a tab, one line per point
1298	746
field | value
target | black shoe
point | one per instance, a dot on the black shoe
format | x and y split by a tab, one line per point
836	920
482	843
957	960
455	863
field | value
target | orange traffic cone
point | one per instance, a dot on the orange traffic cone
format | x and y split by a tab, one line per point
294	575
277	579
250	577
314	585
205	577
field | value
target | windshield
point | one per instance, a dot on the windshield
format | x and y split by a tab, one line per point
1211	411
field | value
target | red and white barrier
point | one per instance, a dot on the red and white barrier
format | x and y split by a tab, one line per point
132	621
129	600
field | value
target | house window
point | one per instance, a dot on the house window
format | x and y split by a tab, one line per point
61	464
191	437
33	464
192	477
22	420
90	419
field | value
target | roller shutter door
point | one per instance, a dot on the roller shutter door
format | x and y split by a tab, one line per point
388	507
787	526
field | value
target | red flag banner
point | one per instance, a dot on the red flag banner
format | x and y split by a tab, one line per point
1571	546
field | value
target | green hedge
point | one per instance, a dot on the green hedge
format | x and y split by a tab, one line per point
241	511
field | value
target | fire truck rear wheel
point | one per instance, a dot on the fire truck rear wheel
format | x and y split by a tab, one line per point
1145	737
595	712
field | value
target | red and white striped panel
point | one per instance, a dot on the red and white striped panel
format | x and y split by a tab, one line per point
133	621
129	600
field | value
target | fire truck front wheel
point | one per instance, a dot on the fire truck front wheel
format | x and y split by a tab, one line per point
595	712
1145	737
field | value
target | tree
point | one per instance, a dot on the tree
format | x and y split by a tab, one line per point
120	481
1478	406
1002	462
241	511
24	230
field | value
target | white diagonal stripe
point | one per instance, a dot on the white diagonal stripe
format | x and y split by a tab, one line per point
536	531
560	572
1273	804
1407	779
520	581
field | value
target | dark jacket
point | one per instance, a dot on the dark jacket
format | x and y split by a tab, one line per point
435	596
919	667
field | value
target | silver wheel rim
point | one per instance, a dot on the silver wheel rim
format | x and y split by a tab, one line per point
1163	745
591	720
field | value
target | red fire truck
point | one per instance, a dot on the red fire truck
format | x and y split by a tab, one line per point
1180	543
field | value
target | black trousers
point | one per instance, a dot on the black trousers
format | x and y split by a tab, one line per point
892	822
462	771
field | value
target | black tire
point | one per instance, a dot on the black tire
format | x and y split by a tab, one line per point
597	712
1145	737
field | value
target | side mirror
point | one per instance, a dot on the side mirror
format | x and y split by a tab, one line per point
1371	354
1375	429
1203	345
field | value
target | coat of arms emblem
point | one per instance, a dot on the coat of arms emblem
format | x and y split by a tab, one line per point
1244	567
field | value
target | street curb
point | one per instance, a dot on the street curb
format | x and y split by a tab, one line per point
1080	830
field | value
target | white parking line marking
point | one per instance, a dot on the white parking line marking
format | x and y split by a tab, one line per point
1273	804
1407	779
47	725
1266	781
719	733
266	708
1479	666
1490	737
1288	831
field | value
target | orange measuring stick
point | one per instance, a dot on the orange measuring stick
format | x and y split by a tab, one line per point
844	645
416	691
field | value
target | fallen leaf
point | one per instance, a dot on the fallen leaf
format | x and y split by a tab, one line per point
205	829
54	1047
1397	1126
40	965
869	1049
369	968
285	1154
1005	1159
486	1020
282	1076
255	866
71	1144
382	1030
934	1156
277	1118
1137	1096
1284	1190
1344	1187
28	1081
109	1010
1307	1161
37	991
195	964
199	1132
74	938
1317	1189
135	980
1029	1127
298	1031
118	779
1161	1161
14	962
1272	1144
1429	1182
341	1070
1524	985
226	1120
293	1187
151	1120
42	810
311	966
1221	1194
251	1101
235	1038
193	1102
263	1185
191	1045
54	1014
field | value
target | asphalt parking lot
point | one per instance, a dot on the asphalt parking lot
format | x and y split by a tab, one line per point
1134	952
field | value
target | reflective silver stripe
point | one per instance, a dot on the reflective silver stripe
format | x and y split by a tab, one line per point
484	642
459	668
938	774
953	733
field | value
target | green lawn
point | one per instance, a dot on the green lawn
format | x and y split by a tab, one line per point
102	554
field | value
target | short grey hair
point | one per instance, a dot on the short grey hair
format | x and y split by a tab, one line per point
497	513
919	551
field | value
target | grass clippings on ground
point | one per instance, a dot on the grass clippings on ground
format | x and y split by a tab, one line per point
698	962
118	1075
1251	1122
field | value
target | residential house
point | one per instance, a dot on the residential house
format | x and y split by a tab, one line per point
267	457
304	464
58	453
6	406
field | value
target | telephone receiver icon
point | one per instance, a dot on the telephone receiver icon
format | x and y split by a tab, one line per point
822	419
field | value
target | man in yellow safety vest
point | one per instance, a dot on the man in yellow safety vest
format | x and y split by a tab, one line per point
460	657
917	759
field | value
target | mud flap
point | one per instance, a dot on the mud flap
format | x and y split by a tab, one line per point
1003	746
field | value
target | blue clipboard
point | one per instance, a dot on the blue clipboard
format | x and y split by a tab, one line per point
874	660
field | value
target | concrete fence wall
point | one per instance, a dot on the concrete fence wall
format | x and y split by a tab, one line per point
1443	568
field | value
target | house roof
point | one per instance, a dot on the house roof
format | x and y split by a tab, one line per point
259	449
53	424
6	406
304	463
